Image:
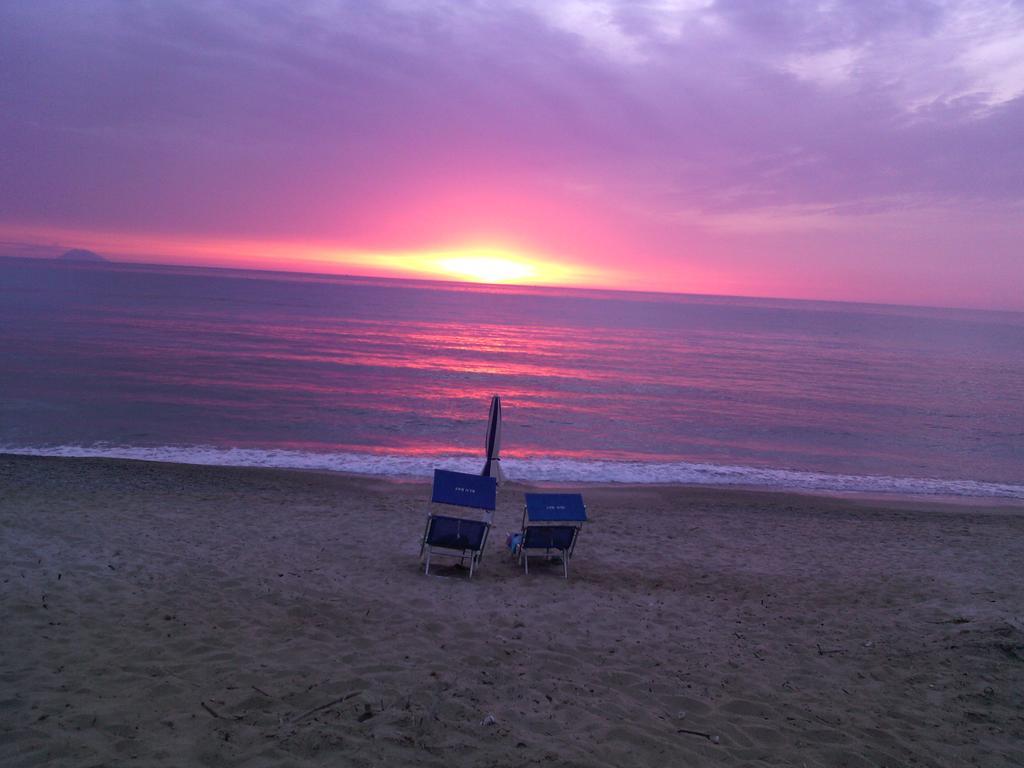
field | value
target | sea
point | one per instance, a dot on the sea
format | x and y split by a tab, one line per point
394	377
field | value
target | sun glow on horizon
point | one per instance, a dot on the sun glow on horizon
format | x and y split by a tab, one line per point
485	263
487	269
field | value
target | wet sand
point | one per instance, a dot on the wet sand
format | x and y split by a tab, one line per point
160	614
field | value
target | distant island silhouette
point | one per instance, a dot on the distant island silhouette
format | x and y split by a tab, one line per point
80	254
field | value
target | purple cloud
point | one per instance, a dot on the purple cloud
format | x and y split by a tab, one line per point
685	121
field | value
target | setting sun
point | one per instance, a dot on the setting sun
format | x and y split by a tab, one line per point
479	264
487	269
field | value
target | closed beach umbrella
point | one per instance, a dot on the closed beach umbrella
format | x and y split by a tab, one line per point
492	467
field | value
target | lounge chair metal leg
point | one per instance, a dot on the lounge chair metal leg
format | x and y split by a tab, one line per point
426	570
526	562
565	565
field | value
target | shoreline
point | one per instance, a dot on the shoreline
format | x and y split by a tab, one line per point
895	497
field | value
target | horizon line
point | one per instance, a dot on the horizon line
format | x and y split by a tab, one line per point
453	284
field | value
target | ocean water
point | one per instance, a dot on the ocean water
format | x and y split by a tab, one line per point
395	377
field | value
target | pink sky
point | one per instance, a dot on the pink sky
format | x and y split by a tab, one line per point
850	150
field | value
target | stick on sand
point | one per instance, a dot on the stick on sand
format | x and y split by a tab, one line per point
314	710
708	736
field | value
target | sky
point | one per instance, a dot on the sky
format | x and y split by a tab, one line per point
851	149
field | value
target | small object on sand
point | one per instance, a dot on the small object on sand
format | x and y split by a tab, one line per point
824	652
708	736
309	712
489	720
681	714
211	710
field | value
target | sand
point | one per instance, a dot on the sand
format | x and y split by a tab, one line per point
158	614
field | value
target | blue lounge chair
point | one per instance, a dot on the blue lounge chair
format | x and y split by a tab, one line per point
449	536
551	526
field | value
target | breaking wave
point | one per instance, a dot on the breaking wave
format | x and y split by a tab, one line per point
537	469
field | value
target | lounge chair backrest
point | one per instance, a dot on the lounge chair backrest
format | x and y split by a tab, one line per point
464	490
555	507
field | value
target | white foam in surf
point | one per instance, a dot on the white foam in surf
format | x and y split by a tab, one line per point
537	469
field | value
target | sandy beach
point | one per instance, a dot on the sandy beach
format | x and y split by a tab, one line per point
160	614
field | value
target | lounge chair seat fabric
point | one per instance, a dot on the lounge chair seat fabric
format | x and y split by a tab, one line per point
456	533
549	537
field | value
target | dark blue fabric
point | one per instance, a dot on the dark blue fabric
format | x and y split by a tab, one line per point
456	533
493	420
544	507
549	536
464	490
